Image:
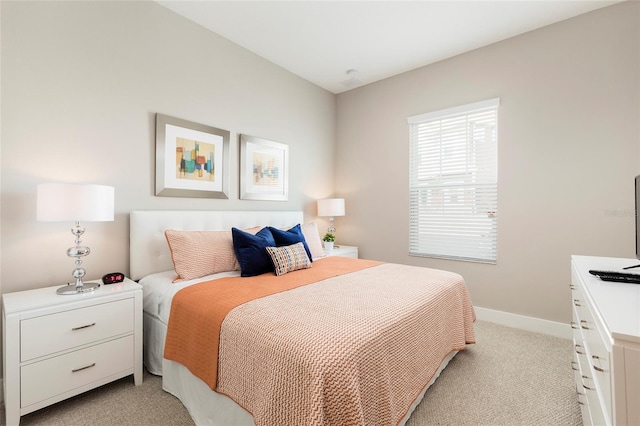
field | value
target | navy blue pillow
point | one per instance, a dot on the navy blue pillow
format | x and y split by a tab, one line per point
251	251
292	236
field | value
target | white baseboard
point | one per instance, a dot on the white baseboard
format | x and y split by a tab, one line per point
522	322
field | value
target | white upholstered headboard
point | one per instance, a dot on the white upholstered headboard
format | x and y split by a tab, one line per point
148	249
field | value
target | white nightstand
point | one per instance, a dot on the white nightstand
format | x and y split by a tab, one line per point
344	251
58	346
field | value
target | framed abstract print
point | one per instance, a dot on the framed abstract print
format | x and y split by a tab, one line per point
192	159
264	169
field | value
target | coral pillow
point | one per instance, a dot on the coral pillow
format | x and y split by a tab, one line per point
289	258
196	254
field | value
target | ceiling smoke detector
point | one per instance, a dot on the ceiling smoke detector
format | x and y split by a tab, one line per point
352	79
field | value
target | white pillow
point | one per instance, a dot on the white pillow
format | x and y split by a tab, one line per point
312	237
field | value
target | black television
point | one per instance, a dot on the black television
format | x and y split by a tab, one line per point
637	188
637	221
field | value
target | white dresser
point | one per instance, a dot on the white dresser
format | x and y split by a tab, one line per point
57	346
606	333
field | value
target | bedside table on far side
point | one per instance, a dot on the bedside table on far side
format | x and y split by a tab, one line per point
344	251
57	346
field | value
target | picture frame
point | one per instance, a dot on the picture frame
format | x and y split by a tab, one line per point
192	159
264	169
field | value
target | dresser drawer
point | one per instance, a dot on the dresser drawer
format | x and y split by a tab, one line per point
596	410
54	376
50	334
599	360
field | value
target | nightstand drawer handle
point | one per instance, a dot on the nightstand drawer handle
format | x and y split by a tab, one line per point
83	326
83	368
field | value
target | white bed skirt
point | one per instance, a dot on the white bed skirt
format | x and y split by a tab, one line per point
154	332
205	406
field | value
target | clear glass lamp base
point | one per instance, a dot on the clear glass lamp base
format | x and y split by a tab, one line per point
78	252
73	289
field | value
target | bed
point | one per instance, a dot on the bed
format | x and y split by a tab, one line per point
333	341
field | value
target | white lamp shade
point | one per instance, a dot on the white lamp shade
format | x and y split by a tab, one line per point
63	202
331	207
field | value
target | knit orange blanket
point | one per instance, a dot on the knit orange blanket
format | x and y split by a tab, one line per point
210	302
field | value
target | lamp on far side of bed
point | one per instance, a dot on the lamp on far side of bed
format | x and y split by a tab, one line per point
62	202
331	207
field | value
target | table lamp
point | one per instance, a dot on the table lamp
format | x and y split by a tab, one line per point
331	207
61	202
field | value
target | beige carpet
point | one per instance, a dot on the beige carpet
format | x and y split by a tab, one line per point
510	377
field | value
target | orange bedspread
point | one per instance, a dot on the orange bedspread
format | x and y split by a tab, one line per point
353	349
197	312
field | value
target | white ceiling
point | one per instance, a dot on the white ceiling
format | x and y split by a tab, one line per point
320	40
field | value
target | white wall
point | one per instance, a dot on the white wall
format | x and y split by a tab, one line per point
0	150
81	83
568	152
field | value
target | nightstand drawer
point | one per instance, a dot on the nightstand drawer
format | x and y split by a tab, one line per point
49	334
54	376
344	251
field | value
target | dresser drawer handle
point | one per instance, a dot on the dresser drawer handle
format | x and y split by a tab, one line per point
584	322
595	367
585	386
572	366
574	325
572	287
576	302
577	351
83	326
579	395
83	368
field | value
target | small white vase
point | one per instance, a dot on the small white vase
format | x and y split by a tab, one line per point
328	247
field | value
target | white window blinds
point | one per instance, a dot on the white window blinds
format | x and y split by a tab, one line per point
453	183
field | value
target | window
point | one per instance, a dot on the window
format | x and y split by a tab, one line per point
453	183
